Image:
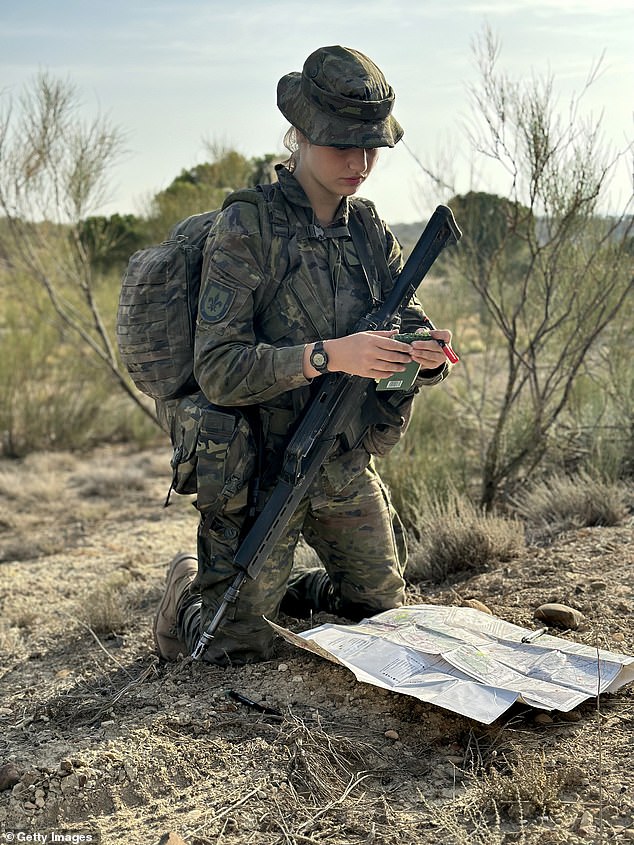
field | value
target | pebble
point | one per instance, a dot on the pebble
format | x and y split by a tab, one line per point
283	667
391	735
171	838
586	823
570	716
477	605
559	615
598	585
543	719
9	776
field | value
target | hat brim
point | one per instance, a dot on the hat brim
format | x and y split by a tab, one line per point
332	130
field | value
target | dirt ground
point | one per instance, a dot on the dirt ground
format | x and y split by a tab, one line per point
97	738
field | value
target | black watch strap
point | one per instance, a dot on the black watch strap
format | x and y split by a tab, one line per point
319	357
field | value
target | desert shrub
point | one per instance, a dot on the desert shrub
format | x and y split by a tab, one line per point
107	609
434	454
521	788
562	502
52	397
450	535
596	434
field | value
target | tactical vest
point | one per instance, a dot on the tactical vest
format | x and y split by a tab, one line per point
334	276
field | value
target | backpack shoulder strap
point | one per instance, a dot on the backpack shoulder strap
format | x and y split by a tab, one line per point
195	227
364	211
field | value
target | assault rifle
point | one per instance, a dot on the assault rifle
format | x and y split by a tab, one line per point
324	420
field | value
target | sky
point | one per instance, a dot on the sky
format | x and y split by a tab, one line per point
174	76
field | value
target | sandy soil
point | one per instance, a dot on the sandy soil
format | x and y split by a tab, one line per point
98	738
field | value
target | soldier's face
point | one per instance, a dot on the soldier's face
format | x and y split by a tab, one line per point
336	170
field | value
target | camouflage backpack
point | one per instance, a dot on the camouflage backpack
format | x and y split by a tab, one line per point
156	318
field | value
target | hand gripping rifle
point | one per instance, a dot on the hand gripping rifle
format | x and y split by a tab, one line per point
324	420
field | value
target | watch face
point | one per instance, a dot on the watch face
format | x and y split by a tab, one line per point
319	359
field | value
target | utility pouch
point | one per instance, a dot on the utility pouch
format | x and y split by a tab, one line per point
226	457
214	452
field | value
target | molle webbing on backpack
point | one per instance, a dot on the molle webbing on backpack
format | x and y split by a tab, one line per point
156	317
158	302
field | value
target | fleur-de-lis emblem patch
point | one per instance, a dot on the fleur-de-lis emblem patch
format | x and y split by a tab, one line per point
216	302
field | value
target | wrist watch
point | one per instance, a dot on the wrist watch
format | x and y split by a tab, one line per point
319	357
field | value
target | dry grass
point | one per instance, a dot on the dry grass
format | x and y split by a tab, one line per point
561	503
321	765
457	537
109	482
108	608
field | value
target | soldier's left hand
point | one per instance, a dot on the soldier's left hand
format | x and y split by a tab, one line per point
428	353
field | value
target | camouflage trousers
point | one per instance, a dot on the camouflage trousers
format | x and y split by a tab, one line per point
357	536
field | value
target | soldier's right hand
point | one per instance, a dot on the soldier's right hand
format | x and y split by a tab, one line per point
368	354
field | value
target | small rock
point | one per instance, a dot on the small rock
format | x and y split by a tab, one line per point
283	667
70	784
598	585
559	615
543	719
391	735
477	605
171	838
570	716
586	823
9	776
66	766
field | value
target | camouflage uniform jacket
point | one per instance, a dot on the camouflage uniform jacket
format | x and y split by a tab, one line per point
251	328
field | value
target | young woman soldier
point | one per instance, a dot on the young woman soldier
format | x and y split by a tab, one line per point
261	349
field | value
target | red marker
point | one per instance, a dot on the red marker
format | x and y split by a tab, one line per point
446	348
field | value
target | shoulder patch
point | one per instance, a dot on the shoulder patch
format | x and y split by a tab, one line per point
216	301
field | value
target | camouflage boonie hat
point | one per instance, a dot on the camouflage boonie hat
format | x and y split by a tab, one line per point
340	99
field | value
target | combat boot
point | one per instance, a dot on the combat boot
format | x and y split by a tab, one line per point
182	571
309	592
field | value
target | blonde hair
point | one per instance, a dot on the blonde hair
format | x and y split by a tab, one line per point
291	143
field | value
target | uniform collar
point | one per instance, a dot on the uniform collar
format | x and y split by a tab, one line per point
294	194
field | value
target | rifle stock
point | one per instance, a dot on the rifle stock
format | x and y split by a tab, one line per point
324	419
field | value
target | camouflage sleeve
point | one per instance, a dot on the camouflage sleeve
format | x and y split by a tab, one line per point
230	365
